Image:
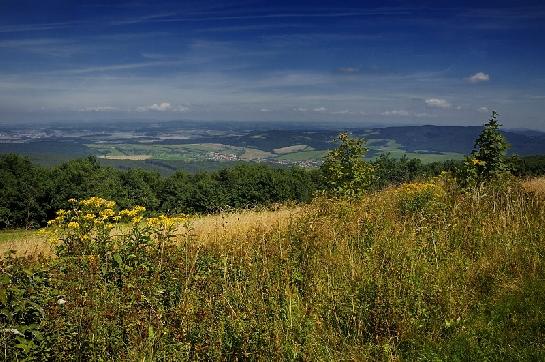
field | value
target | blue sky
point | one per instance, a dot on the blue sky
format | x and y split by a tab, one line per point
362	62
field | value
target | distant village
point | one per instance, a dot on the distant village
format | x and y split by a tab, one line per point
218	156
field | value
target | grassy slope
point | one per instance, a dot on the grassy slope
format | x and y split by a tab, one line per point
210	228
462	279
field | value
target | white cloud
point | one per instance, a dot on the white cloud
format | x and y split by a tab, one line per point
264	110
400	112
98	109
162	107
317	109
484	109
437	103
479	77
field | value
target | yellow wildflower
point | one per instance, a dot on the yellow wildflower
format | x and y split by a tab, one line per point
97	202
106	213
89	217
73	225
132	213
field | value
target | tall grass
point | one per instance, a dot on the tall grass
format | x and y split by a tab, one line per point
418	272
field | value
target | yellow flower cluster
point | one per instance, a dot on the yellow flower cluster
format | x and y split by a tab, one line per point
106	214
165	222
134	214
97	203
89	223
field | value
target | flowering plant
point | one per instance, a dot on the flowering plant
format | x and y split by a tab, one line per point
95	226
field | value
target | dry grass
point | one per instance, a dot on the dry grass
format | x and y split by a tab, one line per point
401	274
237	225
204	229
536	185
24	242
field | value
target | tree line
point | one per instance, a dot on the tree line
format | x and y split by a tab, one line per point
30	194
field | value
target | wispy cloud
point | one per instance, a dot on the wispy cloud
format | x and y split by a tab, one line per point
283	15
343	111
117	67
162	107
35	27
54	47
143	19
99	109
507	13
348	70
400	112
319	109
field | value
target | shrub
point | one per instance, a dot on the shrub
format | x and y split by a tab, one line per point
488	159
344	169
87	227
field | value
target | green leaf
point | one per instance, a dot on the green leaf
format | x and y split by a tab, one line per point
118	259
3	296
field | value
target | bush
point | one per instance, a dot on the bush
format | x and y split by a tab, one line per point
344	169
488	159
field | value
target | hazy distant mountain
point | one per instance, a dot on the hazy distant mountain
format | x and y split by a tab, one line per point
457	139
177	144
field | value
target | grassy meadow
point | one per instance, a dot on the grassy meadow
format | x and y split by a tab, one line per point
421	271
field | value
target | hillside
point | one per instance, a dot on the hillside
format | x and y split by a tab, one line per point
419	271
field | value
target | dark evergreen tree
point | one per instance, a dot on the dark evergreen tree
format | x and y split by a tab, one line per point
489	152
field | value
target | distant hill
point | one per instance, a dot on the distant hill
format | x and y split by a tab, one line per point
168	147
456	139
419	139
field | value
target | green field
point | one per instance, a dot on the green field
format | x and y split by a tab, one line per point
186	152
220	152
15	235
304	156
